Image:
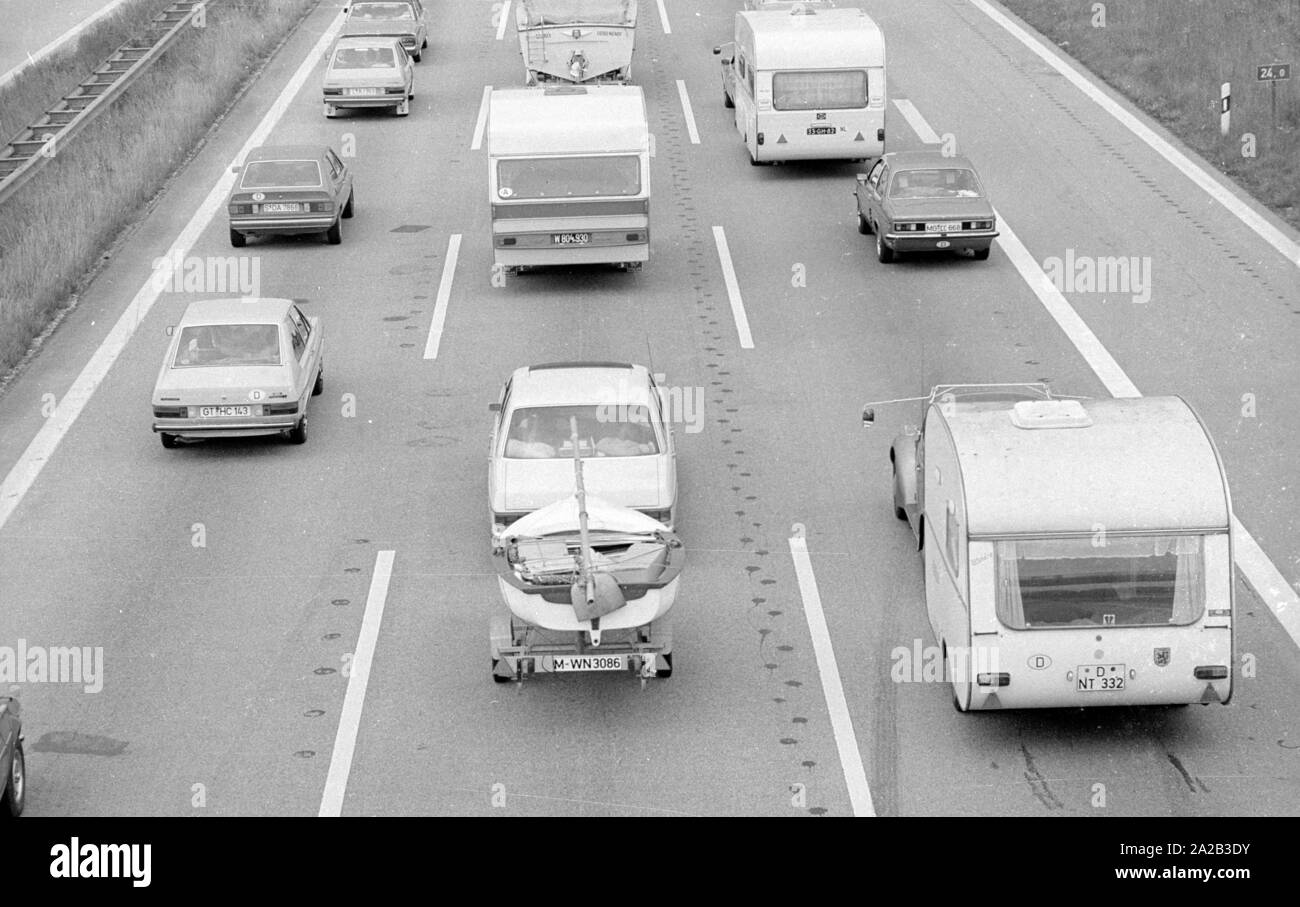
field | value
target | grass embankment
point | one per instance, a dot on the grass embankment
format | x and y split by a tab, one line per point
55	229
1170	57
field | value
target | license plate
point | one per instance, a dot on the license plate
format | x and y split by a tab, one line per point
570	239
216	412
362	92
589	663
943	227
281	208
1096	678
822	130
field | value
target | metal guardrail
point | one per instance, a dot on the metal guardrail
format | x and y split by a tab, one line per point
39	142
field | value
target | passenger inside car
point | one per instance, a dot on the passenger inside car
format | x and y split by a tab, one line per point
627	439
526	441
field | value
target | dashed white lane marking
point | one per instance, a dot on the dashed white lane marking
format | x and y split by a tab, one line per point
733	289
505	17
23	474
345	741
855	774
663	17
1260	572
1185	165
482	119
444	296
54	45
917	122
688	113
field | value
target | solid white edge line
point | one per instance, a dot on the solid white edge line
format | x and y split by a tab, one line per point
1258	570
482	119
345	741
916	121
1205	180
53	45
663	17
733	289
505	16
855	773
444	296
42	447
688	113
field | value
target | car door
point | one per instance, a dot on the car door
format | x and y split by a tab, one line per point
422	29
876	181
341	178
498	426
8	739
306	351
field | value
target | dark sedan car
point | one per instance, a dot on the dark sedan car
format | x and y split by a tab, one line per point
13	767
925	201
290	189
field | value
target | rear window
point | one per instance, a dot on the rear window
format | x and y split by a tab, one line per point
838	90
613	430
945	182
364	58
228	345
569	177
381	11
267	174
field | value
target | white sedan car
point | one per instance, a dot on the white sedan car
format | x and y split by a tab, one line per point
625	444
236	368
369	72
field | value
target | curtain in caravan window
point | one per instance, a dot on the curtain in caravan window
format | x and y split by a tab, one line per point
1189	587
817	90
1011	608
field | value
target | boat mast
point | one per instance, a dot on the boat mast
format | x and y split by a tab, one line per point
587	578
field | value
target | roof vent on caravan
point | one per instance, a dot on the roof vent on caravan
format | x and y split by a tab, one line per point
1049	414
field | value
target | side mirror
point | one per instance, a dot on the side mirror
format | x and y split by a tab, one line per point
862	177
171	329
236	168
868	417
717	49
494	407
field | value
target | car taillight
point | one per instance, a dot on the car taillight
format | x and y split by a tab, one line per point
323	207
279	409
400	89
635	237
1211	672
993	680
978	225
170	412
241	209
508	240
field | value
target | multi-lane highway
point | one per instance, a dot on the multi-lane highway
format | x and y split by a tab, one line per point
303	630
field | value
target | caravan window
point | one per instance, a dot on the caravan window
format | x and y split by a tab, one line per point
838	90
569	177
1106	581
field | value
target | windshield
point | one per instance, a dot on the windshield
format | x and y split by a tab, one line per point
364	58
947	182
382	11
544	432
1123	581
569	177
228	344
585	12
267	174
819	90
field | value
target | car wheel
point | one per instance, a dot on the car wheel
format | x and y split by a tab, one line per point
983	254
347	209
497	677
403	109
298	434
331	111
320	382
883	252
864	225
334	235
899	510
424	44
416	56
726	100
668	671
168	441
16	790
237	239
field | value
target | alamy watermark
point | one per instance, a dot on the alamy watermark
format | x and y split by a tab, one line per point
680	405
1115	275
53	664
208	274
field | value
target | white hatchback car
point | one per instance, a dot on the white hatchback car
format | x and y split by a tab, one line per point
625	444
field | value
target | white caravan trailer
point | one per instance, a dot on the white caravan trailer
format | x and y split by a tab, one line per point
576	41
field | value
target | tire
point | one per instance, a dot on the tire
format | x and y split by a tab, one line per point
899	511
330	111
237	239
983	254
726	100
334	235
347	209
403	109
864	225
416	56
425	43
668	671
320	382
497	678
298	434
15	797
883	252
168	441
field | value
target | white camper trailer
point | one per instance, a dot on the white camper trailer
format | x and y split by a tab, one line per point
569	176
576	41
1077	552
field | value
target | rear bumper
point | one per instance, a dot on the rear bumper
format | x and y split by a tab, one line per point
299	223
940	242
572	255
227	428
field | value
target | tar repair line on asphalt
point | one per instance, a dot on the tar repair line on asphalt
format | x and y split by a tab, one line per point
345	741
733	289
23	475
855	774
688	113
444	295
1185	165
916	121
505	17
482	119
